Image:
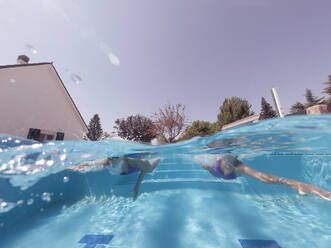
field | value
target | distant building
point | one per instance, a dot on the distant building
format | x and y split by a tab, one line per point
249	119
35	104
317	109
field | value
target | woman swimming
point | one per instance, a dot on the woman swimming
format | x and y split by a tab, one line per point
130	164
229	167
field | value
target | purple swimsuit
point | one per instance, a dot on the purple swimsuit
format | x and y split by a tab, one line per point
130	170
219	173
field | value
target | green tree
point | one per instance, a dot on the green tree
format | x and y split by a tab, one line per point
94	128
200	128
233	109
298	109
136	128
266	110
311	99
327	90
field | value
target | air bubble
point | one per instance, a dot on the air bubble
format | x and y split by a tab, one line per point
34	146
50	162
66	179
46	197
63	157
6	206
30	201
40	162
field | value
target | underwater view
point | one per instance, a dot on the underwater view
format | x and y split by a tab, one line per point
52	195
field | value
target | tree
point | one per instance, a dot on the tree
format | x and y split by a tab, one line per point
233	109
200	128
136	128
94	128
298	109
266	110
327	90
170	122
105	136
311	99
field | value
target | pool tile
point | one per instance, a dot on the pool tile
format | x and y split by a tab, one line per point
251	243
92	241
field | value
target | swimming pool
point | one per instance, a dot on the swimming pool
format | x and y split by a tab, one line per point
43	204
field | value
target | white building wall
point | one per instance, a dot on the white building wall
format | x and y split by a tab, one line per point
32	96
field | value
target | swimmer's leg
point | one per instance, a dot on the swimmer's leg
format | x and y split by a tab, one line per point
137	186
155	163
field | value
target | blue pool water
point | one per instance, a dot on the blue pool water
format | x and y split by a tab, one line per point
43	204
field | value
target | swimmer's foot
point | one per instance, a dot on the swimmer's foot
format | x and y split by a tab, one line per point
155	163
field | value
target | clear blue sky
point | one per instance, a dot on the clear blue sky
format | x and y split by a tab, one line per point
194	52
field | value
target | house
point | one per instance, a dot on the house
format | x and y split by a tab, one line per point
317	109
35	104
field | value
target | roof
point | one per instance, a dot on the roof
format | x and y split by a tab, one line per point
21	65
57	74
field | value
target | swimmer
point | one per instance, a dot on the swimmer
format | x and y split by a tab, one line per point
130	164
228	167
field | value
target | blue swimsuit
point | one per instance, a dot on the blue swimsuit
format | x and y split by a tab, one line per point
232	161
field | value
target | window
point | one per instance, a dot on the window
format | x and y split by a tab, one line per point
59	136
44	135
34	134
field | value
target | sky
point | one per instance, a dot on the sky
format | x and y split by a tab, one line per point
135	56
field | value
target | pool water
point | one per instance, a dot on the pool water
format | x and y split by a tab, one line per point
43	204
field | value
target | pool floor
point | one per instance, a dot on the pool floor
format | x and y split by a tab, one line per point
178	218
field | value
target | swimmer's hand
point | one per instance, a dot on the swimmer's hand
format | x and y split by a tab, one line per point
303	189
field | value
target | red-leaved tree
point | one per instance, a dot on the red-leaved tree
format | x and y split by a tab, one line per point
136	128
170	122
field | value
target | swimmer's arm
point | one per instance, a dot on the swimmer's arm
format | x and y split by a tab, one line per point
263	177
82	165
301	188
137	186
